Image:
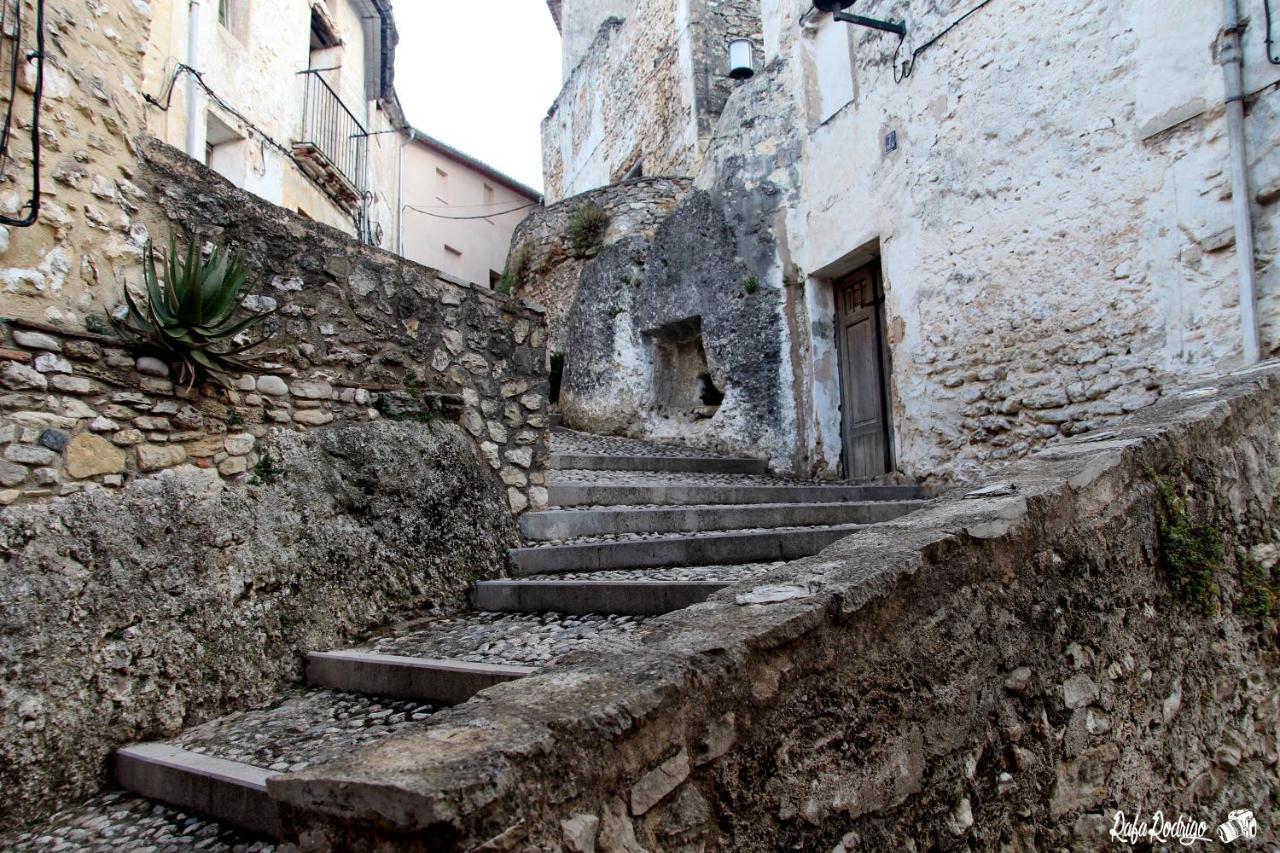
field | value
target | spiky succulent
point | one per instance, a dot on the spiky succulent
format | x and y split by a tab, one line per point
192	315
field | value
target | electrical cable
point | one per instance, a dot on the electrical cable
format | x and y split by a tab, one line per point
910	65
1271	53
33	206
460	218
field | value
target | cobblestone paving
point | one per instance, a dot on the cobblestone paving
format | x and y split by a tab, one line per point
311	727
728	574
582	476
700	534
571	441
524	639
118	822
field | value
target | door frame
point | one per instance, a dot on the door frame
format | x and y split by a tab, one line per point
874	267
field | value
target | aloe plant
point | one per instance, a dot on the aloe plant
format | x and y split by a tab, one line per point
191	315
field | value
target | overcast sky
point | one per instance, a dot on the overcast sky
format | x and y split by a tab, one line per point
480	76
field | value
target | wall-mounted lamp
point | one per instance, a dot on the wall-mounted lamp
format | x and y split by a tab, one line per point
837	10
742	59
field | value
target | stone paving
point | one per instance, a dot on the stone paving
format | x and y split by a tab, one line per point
583	443
728	574
524	639
586	477
310	727
698	534
119	822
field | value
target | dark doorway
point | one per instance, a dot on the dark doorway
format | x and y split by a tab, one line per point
864	373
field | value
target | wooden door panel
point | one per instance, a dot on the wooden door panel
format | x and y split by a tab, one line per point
862	371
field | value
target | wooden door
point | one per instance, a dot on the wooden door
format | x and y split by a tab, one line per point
864	370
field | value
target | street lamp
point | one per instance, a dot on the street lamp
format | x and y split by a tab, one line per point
742	64
837	10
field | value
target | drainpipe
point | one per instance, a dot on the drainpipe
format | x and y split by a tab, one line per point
1232	58
193	86
413	134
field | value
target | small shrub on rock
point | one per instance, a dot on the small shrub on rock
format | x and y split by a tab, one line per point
585	231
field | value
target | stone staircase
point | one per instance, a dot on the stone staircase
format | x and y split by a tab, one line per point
635	530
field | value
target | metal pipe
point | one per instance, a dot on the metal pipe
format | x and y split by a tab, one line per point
1231	56
413	134
194	148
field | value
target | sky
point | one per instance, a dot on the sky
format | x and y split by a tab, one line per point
480	77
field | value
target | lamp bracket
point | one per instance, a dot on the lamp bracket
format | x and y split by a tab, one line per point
896	27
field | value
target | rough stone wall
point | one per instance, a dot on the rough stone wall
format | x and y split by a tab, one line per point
1004	670
552	271
635	296
131	614
89	234
648	89
1055	239
356	316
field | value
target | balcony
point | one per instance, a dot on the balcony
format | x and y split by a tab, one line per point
334	146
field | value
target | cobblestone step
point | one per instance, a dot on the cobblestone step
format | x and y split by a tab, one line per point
220	768
229	791
631	597
697	464
673	492
447	682
572	523
701	549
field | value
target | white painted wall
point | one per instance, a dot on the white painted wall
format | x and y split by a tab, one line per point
480	245
254	65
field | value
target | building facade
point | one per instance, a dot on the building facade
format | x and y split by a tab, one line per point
956	247
458	213
294	102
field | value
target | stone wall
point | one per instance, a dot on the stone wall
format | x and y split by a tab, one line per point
552	270
89	234
359	317
1004	669
134	612
647	90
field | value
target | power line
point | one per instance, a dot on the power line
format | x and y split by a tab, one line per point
33	205
458	218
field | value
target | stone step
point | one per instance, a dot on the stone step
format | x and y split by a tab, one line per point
230	791
628	597
446	682
220	768
676	493
573	523
698	464
647	552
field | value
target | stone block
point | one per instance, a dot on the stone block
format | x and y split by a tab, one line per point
54	439
70	384
128	437
233	466
153	457
312	390
272	386
149	366
82	350
239	444
89	455
36	340
30	455
12	474
19	377
655	785
313	417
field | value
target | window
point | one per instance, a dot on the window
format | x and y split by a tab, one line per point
442	185
636	171
233	16
224	13
226	151
452	260
495	278
324	32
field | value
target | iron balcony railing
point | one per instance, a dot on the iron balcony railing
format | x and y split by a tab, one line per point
334	142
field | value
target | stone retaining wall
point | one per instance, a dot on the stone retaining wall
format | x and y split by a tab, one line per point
634	207
132	613
1004	669
358	317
